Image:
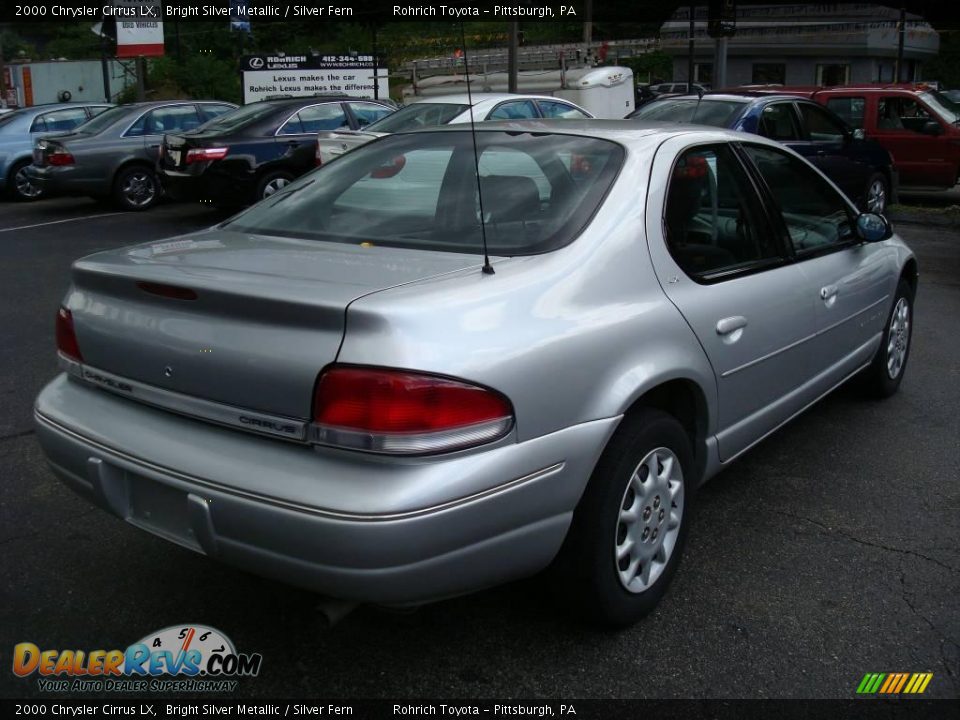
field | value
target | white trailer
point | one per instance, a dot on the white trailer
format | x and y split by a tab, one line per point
607	92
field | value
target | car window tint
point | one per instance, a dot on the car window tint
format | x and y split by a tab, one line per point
209	111
553	109
816	215
513	111
329	116
821	126
59	120
777	122
95	110
367	113
851	109
178	118
901	113
712	218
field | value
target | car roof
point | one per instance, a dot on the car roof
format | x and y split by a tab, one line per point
478	97
625	132
47	107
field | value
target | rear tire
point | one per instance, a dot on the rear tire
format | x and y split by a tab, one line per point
19	185
882	378
136	187
876	195
629	530
272	183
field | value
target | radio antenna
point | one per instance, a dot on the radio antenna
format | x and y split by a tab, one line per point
487	267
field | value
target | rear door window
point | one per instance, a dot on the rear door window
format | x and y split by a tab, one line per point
329	116
714	225
209	111
851	109
367	113
778	122
59	120
520	110
555	109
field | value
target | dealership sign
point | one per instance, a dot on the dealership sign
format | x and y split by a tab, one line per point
270	76
139	28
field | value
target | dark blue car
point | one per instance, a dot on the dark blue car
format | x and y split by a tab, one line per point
861	168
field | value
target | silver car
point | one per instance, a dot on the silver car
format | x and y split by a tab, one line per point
448	110
396	381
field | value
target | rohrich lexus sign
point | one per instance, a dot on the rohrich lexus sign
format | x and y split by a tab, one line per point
270	76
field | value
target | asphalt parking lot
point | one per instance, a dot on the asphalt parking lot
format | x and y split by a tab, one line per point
830	551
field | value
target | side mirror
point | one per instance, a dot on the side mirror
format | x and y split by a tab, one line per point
873	228
859	134
932	127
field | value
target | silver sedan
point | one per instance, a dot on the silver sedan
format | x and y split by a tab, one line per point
418	371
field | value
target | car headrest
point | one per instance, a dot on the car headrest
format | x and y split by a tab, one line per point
510	198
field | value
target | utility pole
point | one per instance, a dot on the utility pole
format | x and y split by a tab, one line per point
900	33
690	51
141	65
588	24
512	58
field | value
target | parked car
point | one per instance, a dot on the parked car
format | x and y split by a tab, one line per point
333	389
861	168
678	88
251	153
20	128
917	124
113	155
450	110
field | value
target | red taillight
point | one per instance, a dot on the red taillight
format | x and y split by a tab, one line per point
66	337
319	158
195	155
395	411
60	157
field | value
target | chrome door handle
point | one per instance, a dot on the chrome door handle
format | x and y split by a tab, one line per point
828	291
731	324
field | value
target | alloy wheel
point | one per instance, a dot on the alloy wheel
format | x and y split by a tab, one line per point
274	186
25	188
877	197
139	188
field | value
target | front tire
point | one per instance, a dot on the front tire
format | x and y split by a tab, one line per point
629	530
21	188
885	373
136	188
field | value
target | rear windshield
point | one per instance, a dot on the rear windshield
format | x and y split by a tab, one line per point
419	190
418	116
8	120
717	113
242	116
104	120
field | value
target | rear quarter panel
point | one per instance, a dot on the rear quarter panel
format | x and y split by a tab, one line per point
569	336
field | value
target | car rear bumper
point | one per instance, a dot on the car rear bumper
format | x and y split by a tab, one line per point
346	525
209	186
65	181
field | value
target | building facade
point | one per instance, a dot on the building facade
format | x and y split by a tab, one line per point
803	45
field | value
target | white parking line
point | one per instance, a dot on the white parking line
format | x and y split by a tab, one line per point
57	222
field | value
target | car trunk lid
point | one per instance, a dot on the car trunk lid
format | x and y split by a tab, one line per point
244	320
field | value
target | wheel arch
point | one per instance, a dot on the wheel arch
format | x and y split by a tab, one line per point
685	400
910	273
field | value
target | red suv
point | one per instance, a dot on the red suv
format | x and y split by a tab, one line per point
915	123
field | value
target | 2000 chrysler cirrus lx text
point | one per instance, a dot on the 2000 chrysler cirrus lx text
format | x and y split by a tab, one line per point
331	388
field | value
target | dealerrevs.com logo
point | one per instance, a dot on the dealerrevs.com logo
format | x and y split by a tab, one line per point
179	658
